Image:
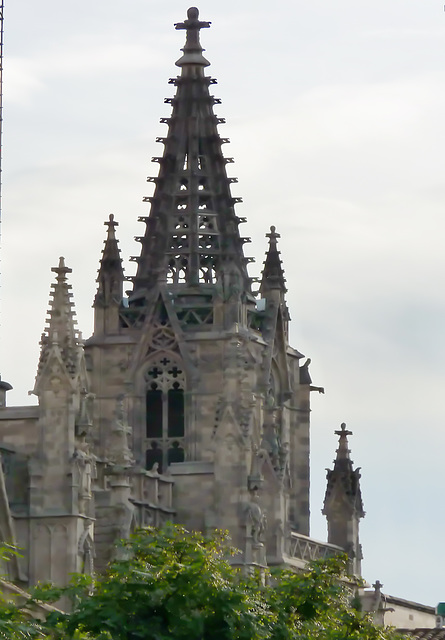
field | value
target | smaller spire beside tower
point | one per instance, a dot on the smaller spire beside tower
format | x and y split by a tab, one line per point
343	505
110	280
273	274
60	332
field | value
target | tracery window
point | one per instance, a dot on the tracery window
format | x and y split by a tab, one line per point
164	404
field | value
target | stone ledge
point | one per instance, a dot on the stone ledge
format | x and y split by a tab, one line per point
19	413
191	468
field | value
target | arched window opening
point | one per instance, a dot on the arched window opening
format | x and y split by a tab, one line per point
175	453
154	411
165	412
176	411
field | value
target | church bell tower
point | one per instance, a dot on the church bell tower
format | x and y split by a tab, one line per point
215	395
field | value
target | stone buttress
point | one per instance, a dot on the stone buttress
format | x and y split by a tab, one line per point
62	467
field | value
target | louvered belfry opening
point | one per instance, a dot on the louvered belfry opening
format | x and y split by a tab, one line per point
192	229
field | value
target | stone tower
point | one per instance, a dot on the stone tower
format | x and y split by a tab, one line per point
343	505
187	403
61	467
214	393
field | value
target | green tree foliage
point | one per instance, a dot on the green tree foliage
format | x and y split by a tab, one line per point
16	620
175	585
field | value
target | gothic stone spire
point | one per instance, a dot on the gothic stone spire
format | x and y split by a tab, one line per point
273	274
111	274
343	484
192	231
110	280
60	332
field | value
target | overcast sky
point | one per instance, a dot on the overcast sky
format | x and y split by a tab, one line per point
335	111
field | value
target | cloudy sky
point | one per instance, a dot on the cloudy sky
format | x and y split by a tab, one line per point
335	111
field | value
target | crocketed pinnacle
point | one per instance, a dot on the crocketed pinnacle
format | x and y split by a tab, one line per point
111	274
192	234
343	481
273	274
60	330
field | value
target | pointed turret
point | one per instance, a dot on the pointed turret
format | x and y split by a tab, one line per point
273	275
192	234
343	505
110	284
61	467
60	333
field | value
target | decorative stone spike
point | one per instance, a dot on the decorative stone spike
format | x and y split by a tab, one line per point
273	274
60	330
111	274
343	505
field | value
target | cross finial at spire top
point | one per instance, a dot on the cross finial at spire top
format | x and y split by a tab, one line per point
344	432
192	48
193	25
110	223
273	237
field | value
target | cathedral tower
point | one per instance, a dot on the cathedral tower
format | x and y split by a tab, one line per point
214	393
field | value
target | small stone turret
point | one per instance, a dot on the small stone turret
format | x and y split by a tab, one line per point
60	340
343	505
273	275
62	468
110	280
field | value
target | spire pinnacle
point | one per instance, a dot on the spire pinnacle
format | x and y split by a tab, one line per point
273	274
343	480
111	274
60	330
192	48
111	249
343	504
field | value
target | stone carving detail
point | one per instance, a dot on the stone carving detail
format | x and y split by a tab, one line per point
84	420
272	440
85	549
119	452
256	520
163	337
85	466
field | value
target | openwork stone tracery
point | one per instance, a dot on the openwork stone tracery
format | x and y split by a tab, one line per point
164	404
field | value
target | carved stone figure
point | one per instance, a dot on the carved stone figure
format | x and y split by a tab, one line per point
255	519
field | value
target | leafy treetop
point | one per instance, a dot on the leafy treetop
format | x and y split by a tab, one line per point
170	584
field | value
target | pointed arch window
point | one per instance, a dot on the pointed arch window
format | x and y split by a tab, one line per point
165	412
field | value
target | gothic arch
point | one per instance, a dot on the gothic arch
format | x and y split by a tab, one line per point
164	388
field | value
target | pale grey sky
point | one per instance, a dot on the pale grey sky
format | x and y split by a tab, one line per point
335	111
